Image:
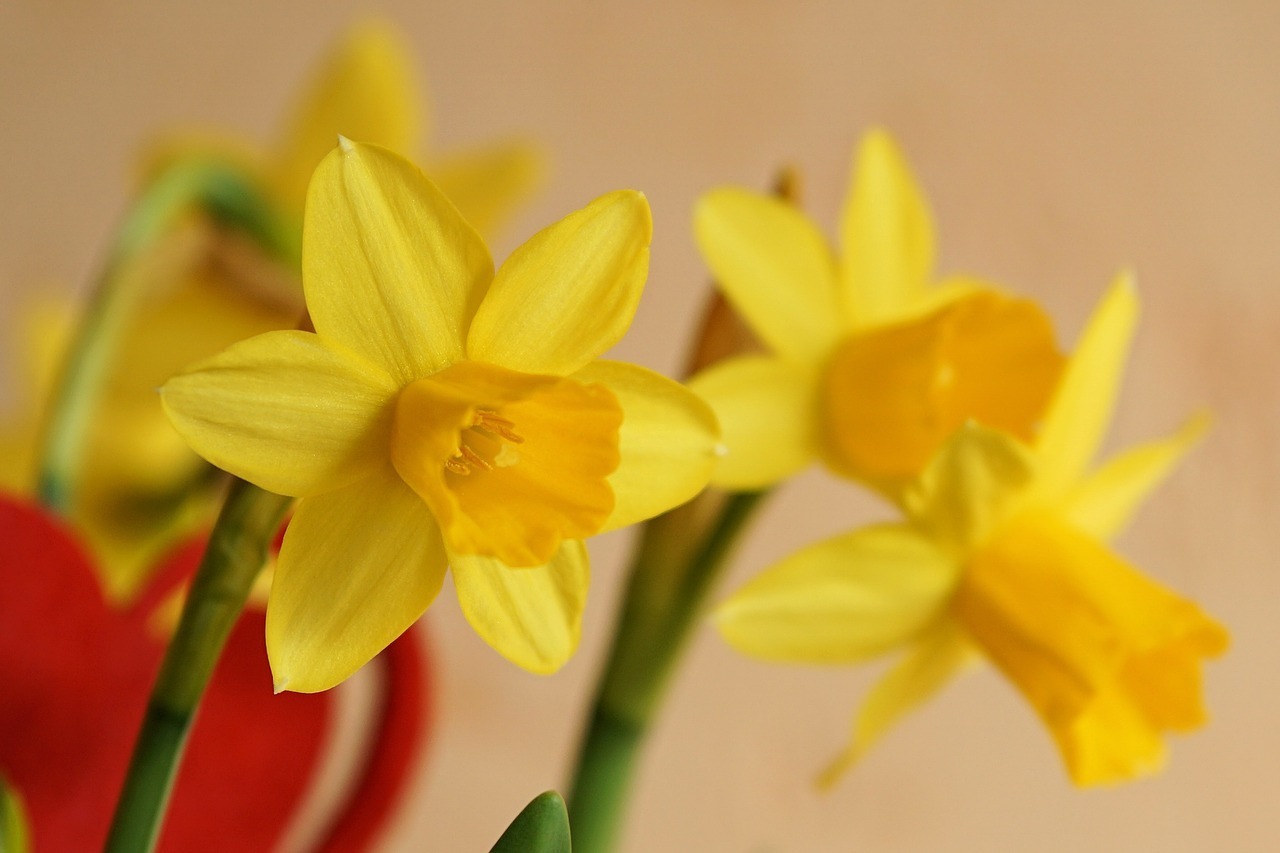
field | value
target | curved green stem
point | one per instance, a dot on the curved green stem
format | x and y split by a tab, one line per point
223	193
670	580
236	553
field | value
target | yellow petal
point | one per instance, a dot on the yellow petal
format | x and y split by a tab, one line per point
357	568
775	267
1081	409
286	412
667	444
569	293
487	184
767	409
1103	503
933	659
364	91
510	463
390	269
886	235
841	601
532	617
978	479
891	395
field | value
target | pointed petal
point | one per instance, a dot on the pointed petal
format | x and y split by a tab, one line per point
532	617
569	293
886	235
978	478
487	184
767	409
1081	409
928	666
390	269
286	412
668	442
841	601
364	91
775	267
357	568
1104	502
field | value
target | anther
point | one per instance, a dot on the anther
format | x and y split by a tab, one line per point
475	458
491	422
457	466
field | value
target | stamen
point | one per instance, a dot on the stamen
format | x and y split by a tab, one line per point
475	458
488	423
491	422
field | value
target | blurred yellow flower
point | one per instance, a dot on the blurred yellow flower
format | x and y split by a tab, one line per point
365	90
870	368
1003	557
442	414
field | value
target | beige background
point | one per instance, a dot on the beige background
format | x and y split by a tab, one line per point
1056	145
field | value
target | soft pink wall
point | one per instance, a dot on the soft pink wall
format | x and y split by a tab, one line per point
1056	145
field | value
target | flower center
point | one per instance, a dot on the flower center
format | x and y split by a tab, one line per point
502	490
489	425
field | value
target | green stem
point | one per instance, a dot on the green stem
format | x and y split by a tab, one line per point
222	192
236	553
670	580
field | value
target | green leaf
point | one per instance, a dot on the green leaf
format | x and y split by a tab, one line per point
14	837
543	827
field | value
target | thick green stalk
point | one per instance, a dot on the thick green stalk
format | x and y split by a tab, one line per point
670	579
220	191
236	553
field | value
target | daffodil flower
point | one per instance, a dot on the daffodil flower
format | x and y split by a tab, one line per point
870	367
1003	558
444	415
140	489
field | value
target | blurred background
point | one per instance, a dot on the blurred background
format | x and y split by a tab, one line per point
1057	141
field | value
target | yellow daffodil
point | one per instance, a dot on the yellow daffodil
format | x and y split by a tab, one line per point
871	368
1003	557
444	415
142	488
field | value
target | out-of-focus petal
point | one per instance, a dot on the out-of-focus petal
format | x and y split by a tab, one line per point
390	268
488	183
841	601
775	267
285	411
569	293
767	409
1080	411
668	441
886	235
938	655
364	91
976	481
1104	502
532	617
358	566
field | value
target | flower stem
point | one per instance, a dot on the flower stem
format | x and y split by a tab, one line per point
223	193
235	554
670	579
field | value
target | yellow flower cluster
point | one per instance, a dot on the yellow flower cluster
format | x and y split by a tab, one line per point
955	404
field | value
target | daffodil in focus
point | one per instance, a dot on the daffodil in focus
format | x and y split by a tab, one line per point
199	291
444	415
1003	557
871	365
